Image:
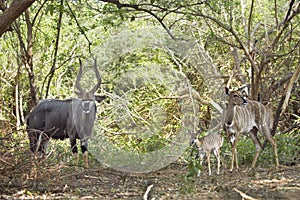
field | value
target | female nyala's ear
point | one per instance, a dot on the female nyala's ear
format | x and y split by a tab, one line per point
227	91
201	140
244	89
245	93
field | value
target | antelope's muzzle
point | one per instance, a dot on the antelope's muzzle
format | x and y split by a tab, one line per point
86	106
245	102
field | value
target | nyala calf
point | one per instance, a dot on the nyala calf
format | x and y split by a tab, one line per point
206	144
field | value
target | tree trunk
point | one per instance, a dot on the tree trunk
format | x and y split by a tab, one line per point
12	13
284	101
28	61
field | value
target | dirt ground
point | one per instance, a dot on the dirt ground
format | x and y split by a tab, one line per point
60	181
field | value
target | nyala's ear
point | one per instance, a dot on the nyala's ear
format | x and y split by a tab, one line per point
197	142
201	139
245	93
227	90
193	141
99	98
244	90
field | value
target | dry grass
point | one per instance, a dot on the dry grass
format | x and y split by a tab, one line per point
27	178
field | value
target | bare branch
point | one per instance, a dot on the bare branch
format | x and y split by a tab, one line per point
289	129
293	80
139	8
276	85
145	196
237	65
285	24
243	195
188	93
235	35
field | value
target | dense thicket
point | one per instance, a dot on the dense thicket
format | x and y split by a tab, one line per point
244	42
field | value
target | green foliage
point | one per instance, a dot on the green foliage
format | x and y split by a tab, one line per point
288	150
193	165
194	170
144	102
287	147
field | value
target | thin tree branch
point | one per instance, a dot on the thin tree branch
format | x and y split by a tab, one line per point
289	129
285	24
80	28
289	11
250	46
243	195
293	80
276	15
145	196
235	35
139	8
37	13
58	27
61	65
276	85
